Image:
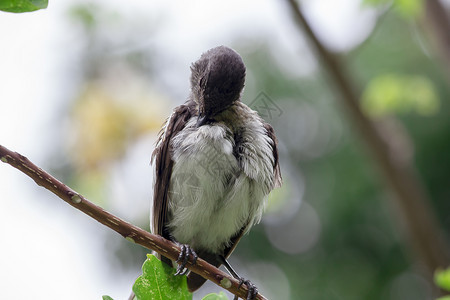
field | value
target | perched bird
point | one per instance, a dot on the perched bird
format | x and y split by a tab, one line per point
215	163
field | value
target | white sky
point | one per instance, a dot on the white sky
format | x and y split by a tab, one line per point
48	253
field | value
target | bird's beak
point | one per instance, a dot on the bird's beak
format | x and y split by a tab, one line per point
201	120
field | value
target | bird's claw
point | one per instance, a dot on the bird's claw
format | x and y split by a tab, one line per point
183	258
252	290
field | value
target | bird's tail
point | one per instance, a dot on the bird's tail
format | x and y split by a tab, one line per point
195	281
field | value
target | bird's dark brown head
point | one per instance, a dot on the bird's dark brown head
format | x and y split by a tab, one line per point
217	81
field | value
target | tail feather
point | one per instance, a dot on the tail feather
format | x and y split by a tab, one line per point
195	281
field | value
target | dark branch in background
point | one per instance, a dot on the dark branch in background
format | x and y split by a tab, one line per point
128	231
422	230
438	24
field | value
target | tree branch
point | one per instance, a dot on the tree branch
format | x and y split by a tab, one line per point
438	24
128	231
425	236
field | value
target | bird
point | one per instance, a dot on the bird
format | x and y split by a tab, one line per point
215	163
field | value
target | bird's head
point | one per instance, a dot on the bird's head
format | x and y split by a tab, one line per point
217	80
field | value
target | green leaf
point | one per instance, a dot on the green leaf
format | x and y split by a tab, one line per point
442	279
393	93
444	298
220	296
19	6
158	282
107	298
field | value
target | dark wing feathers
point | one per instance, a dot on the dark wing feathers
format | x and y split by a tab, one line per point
162	157
276	165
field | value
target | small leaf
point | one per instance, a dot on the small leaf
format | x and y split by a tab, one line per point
158	282
442	280
19	6
105	297
219	296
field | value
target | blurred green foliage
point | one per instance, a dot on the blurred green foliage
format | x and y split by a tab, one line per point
361	253
392	93
442	279
405	8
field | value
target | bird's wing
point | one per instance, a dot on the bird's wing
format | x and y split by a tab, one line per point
162	158
277	181
276	165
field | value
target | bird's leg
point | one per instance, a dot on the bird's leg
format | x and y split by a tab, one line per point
252	290
183	259
227	266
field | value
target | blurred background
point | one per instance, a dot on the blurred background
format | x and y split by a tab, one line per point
86	85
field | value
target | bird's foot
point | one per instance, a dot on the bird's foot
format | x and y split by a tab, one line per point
183	259
252	290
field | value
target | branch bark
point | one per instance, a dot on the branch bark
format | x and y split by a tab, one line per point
438	24
128	231
422	230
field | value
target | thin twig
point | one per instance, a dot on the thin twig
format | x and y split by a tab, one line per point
424	234
128	231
